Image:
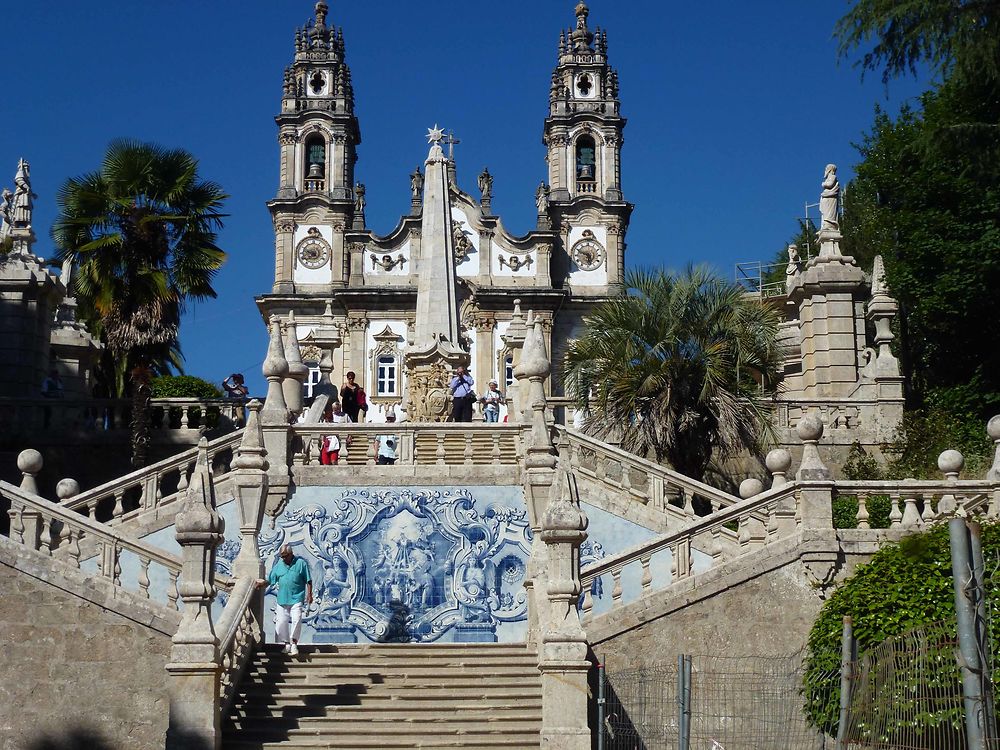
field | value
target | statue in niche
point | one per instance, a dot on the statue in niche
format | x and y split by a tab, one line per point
486	186
829	201
359	198
21	207
542	198
417	184
462	244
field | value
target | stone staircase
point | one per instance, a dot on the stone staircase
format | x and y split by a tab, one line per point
388	696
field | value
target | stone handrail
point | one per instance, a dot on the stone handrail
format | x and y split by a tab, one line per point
156	485
34	416
239	633
445	444
917	503
57	531
647	482
656	564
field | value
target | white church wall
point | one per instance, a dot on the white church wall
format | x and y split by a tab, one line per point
524	270
380	404
376	270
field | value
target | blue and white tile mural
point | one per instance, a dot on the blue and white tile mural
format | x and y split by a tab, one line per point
414	564
400	564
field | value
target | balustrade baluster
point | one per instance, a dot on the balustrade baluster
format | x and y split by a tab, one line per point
45	538
587	602
184	417
688	503
16	514
862	515
182	478
647	576
467	451
716	545
895	515
119	505
73	547
439	453
172	589
91	510
144	576
371	453
495	456
772	523
626	479
118	565
682	566
616	590
656	492
911	516
743	533
928	515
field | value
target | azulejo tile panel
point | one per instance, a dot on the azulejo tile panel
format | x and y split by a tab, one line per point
409	564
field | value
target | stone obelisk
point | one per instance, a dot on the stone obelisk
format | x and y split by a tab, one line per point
436	348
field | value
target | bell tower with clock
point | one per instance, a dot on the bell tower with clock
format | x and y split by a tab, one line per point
318	135
583	137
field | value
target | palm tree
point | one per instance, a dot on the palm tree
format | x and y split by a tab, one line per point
680	366
142	232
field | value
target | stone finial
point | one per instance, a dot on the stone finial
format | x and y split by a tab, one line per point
198	515
321	10
751	487
810	430
563	519
950	462
275	369
66	489
29	463
993	430
778	462
534	359
251	454
880	288
291	385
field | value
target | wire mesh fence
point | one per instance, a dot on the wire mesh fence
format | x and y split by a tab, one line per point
715	703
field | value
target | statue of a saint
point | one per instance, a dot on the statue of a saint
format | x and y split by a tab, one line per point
22	201
6	207
542	199
829	201
359	198
417	184
486	185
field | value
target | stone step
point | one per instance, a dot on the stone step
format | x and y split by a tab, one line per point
334	728
376	720
397	650
403	660
368	677
423	699
322	706
519	741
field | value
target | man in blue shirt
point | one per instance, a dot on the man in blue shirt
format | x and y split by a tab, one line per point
291	575
461	396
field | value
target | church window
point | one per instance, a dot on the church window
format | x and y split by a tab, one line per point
317	82
386	376
586	159
584	85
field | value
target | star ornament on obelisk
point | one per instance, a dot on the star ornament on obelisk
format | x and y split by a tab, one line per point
435	134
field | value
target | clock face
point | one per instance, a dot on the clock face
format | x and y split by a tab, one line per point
314	252
588	253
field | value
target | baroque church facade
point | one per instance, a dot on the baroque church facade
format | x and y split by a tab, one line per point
352	295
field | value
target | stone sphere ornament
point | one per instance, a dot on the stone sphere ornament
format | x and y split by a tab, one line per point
809	428
993	428
778	461
750	487
67	488
29	461
951	462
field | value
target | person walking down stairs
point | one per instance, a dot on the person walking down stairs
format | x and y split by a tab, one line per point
291	575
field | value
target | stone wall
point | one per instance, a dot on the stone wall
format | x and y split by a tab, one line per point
83	665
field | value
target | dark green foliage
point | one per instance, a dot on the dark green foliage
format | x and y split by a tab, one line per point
183	386
674	367
905	586
845	511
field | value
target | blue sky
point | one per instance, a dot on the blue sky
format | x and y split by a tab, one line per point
734	108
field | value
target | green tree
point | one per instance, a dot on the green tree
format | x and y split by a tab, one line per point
680	366
142	231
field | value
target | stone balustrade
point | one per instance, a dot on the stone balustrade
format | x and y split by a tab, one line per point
171	419
154	486
445	444
754	523
128	563
239	632
644	481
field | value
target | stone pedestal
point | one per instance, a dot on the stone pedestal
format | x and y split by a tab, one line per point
29	294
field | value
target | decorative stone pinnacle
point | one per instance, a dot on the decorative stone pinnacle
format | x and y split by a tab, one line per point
321	10
563	519
198	515
534	359
251	453
275	364
810	430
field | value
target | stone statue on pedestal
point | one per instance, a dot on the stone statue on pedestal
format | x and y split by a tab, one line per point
486	186
21	207
6	219
829	201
